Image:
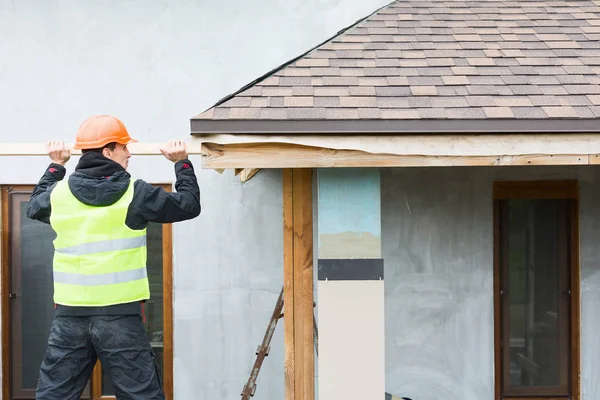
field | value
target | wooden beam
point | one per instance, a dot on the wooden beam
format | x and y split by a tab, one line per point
273	155
247	174
168	349
594	159
194	147
5	291
298	284
288	285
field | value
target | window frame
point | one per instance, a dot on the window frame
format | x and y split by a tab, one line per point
5	278
554	189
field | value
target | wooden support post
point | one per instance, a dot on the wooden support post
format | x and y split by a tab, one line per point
350	285
298	284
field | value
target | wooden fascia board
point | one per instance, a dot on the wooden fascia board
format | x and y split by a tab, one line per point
275	155
248	158
138	149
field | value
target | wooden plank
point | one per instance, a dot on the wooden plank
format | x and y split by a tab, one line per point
303	285
39	149
168	307
298	284
248	173
594	159
449	144
575	303
272	155
4	291
288	284
97	381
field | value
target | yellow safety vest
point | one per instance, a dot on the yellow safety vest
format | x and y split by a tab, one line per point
98	260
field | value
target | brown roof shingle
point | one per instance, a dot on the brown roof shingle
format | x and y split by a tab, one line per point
440	59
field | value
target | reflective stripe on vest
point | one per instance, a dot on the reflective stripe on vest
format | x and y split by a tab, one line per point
98	259
106	245
100	279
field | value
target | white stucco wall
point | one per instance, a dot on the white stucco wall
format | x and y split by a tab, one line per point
155	64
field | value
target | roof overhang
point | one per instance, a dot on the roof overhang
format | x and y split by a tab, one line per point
241	151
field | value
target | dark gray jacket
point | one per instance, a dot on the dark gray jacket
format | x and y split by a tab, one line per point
101	182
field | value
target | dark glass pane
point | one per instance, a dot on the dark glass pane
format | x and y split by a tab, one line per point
32	310
536	261
154	307
33	307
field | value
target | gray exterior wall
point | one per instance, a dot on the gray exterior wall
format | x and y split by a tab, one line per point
155	64
437	240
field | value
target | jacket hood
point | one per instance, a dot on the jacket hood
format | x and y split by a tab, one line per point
98	181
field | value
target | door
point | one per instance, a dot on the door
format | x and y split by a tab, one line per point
29	294
536	290
28	308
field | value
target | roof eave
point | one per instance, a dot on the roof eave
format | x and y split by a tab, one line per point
201	127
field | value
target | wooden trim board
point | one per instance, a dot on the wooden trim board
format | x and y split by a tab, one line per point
168	306
272	155
298	284
39	149
277	151
5	291
575	301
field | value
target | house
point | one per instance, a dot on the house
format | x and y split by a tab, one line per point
439	165
427	177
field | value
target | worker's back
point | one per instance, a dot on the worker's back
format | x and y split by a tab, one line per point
100	215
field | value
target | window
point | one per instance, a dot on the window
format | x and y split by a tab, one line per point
536	285
27	306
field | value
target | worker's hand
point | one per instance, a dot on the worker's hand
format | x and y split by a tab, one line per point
58	152
175	150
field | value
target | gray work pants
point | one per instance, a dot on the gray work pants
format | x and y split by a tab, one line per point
120	342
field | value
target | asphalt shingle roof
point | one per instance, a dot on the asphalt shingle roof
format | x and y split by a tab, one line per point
440	59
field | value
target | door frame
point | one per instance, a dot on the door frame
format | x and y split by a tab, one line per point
540	189
5	285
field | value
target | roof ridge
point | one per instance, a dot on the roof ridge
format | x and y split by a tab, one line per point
287	63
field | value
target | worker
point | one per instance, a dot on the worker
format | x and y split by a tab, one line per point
100	215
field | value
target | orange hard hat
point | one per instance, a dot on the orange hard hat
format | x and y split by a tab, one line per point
100	130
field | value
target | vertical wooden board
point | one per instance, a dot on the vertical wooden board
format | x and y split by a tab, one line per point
303	284
288	284
4	292
497	303
298	284
575	303
97	381
168	310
